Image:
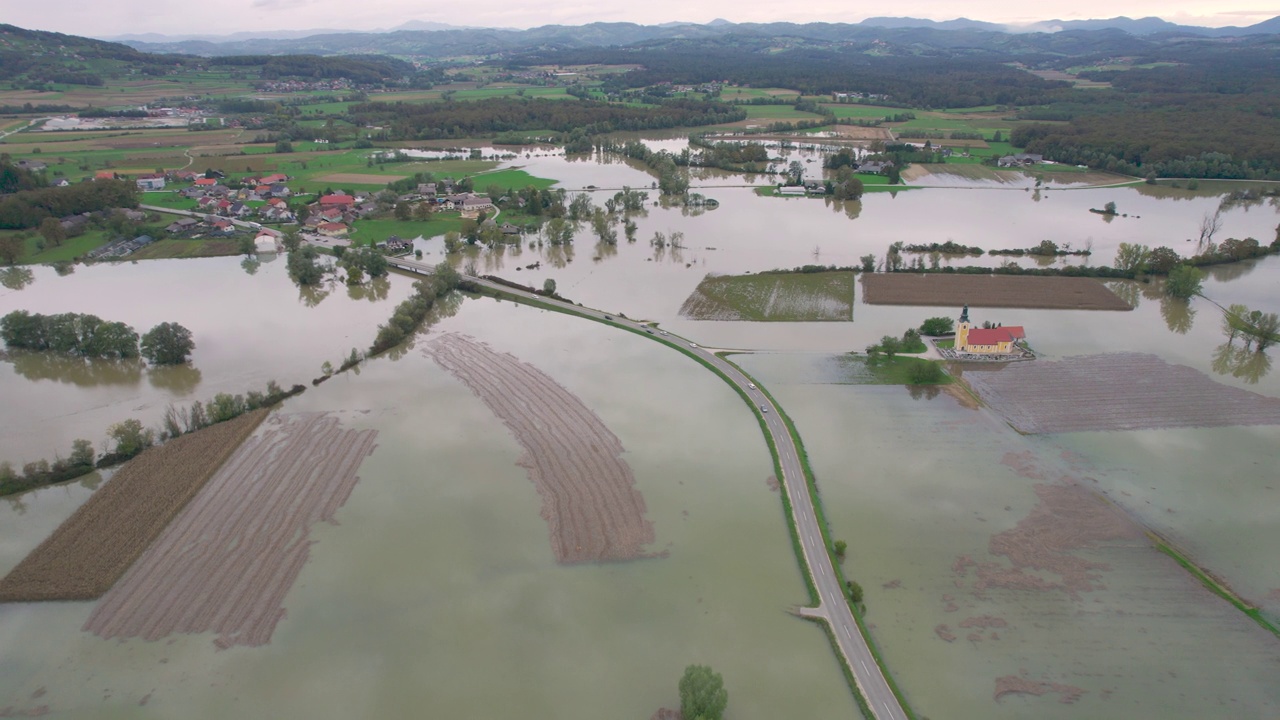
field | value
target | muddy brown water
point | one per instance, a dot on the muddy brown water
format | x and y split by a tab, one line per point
438	576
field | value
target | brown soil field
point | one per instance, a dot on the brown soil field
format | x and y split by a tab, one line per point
919	172
1017	685
361	178
1039	549
1002	291
89	552
1116	391
588	493
227	561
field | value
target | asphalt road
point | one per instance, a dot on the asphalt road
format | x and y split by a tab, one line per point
832	606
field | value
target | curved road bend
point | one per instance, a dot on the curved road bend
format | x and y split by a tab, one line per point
832	605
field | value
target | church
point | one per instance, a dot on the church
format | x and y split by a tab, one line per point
986	341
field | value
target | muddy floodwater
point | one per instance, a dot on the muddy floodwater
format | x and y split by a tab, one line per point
440	588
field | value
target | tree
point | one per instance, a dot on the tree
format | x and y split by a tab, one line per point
924	372
1109	208
291	239
549	287
247	246
81	453
1210	224
840	547
1184	281
167	344
890	346
937	326
702	694
52	231
284	146
304	267
130	437
868	263
11	249
403	211
1163	259
446	278
1132	257
855	592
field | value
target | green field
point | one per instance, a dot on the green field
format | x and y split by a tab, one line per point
849	110
773	297
508	180
70	249
170	248
778	112
368	232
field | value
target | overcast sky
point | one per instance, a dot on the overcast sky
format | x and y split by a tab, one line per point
103	18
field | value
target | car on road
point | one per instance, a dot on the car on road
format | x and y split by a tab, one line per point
751	385
606	317
764	408
693	345
649	331
662	332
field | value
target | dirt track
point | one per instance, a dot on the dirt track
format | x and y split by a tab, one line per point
97	544
588	493
1001	291
226	562
1117	391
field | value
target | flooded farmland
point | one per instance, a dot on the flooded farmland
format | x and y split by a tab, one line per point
436	589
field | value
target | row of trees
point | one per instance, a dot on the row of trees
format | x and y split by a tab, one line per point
28	208
416	121
90	336
409	314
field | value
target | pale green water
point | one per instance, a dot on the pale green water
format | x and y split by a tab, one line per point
438	595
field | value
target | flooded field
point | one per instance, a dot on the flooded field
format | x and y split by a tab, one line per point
436	590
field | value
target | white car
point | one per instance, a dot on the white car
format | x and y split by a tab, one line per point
693	345
764	409
751	385
662	332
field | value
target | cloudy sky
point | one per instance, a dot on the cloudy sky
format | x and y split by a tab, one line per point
103	18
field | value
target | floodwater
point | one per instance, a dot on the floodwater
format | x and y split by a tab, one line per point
248	329
438	592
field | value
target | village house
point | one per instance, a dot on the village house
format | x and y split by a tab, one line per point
182	225
32	165
338	201
1020	160
150	182
331	229
986	341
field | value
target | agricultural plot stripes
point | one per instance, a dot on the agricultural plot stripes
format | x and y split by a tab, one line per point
227	561
997	291
90	551
589	500
1115	391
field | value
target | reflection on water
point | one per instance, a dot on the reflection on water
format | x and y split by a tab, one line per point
16	278
1243	362
313	295
1231	271
181	380
373	291
924	392
75	370
1177	313
250	265
1127	290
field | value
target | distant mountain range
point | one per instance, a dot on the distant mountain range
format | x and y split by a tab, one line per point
427	39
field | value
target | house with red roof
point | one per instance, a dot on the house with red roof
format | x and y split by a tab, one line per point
332	229
274	179
986	341
342	202
206	182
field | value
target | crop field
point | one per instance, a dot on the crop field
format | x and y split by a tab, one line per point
89	552
370	231
1000	291
589	500
226	563
345	179
779	112
868	112
1116	391
123	94
772	297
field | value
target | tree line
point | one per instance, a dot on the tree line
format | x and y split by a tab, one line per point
450	119
90	336
28	208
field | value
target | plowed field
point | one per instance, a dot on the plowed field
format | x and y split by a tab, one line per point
1118	391
588	491
777	297
226	562
1004	291
98	543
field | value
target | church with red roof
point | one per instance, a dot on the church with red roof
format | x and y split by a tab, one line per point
986	341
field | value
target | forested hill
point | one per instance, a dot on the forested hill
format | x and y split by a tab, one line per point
923	36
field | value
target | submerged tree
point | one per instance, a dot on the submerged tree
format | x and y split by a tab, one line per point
167	344
702	694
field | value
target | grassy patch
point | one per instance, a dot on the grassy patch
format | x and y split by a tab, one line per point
781	297
892	371
375	231
509	180
70	249
171	248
